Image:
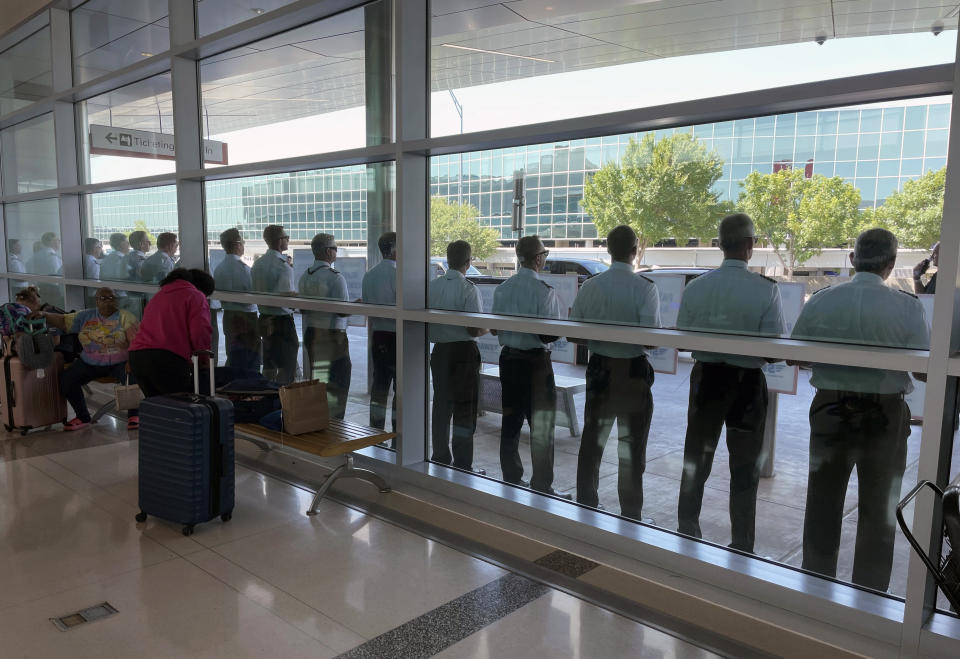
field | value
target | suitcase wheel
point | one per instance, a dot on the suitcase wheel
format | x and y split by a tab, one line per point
188	529
141	516
226	517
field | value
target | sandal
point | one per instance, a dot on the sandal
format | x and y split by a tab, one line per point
133	423
75	424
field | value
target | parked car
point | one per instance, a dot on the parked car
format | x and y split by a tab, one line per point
688	273
439	267
583	268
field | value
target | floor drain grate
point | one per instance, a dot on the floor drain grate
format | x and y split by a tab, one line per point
89	614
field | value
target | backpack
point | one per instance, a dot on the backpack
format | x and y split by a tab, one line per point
12	315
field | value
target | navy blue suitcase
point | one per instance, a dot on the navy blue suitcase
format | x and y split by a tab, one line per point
186	459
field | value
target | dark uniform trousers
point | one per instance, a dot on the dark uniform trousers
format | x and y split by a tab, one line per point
529	392
455	367
328	358
868	431
280	347
241	338
384	354
724	394
618	389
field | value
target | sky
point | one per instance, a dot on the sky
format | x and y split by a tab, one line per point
582	93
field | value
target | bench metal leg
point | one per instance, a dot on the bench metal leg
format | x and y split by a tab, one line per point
347	470
572	414
106	407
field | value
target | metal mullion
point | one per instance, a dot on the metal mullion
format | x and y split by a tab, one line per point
953	366
152	181
28	112
411	40
49	193
854	90
901	359
187	136
921	593
360	156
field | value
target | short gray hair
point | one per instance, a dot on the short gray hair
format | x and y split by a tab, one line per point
527	249
875	250
320	242
734	229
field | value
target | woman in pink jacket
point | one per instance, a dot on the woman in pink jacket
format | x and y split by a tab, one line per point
176	324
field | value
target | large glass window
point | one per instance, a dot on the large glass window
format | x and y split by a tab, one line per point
28	156
497	65
110	34
304	91
25	72
33	243
129	131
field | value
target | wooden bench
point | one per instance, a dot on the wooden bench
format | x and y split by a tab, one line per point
340	439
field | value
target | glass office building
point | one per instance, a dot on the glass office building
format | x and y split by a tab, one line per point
876	148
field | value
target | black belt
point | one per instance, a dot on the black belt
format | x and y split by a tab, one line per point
526	351
860	395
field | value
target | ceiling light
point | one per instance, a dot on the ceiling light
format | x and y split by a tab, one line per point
937	28
257	11
146	54
497	52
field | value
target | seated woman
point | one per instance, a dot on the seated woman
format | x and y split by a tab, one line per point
30	298
176	324
106	333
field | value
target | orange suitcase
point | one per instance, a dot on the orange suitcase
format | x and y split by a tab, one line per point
31	398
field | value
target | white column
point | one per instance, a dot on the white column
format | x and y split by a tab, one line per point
412	35
185	83
937	434
65	135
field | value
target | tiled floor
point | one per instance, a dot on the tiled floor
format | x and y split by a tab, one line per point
271	582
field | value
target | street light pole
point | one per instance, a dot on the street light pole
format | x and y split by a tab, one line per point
459	109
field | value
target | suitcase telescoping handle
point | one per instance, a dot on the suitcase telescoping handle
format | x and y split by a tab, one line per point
933	567
196	371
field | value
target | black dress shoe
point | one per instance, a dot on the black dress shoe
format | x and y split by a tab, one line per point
479	472
560	495
519	483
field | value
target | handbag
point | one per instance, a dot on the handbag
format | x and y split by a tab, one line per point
128	395
33	344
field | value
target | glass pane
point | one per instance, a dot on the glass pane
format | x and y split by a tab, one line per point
33	243
111	34
29	157
494	67
263	239
300	92
25	72
215	15
137	235
129	131
807	214
762	496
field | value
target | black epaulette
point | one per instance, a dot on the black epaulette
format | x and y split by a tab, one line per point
647	278
819	290
469	282
908	293
545	284
310	271
334	270
769	279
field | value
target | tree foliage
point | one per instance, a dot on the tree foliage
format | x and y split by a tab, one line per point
450	221
661	188
915	213
799	216
141	225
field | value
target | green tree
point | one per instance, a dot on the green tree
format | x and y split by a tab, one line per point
915	213
799	216
661	188
141	225
452	221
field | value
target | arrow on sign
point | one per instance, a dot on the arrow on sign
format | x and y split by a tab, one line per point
110	138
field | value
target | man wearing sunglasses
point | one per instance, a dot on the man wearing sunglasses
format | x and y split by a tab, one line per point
272	273
526	371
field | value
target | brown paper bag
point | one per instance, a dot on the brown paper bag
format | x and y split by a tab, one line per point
304	407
